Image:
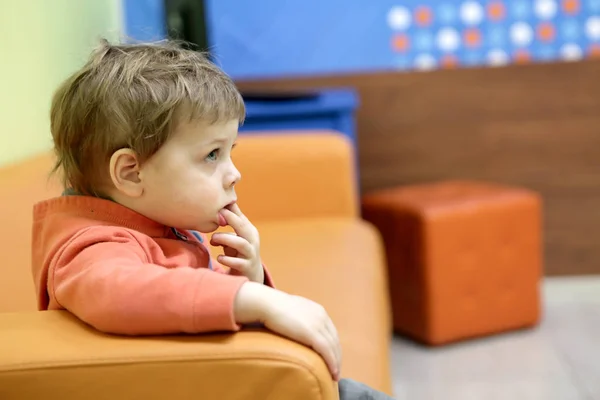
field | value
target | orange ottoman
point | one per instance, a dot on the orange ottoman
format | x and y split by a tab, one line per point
464	258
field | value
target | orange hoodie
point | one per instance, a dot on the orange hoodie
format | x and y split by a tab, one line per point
124	273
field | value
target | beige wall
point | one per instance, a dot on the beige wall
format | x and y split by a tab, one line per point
41	42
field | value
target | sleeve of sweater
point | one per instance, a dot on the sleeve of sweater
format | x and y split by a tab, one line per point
105	280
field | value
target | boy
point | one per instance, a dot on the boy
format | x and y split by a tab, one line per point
143	136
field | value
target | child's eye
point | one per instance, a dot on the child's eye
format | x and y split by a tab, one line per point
212	156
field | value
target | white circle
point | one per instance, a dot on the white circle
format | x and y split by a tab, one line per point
448	39
497	57
592	28
399	18
545	9
425	62
571	52
521	34
471	13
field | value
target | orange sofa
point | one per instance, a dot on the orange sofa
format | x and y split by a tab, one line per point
299	190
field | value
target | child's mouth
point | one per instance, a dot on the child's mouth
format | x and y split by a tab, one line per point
222	220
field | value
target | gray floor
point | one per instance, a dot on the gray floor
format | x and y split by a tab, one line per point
559	360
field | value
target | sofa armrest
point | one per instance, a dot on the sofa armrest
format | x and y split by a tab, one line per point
52	355
290	175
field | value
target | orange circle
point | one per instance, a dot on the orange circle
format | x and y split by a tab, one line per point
594	50
546	32
400	42
449	61
522	57
423	16
496	10
472	37
571	6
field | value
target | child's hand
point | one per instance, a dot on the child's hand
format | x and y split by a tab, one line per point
307	322
294	317
242	249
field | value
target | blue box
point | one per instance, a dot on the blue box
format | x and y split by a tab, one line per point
331	109
325	109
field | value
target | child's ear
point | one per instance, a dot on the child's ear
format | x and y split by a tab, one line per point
124	172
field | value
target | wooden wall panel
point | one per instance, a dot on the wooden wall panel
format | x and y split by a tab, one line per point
532	125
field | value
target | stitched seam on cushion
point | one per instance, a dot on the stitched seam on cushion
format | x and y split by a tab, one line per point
137	360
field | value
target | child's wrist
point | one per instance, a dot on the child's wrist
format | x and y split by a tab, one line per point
252	303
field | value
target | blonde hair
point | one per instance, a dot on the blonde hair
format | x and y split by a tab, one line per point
133	96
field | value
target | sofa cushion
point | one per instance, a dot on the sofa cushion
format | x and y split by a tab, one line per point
340	264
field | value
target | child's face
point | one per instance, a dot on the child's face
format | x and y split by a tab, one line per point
192	177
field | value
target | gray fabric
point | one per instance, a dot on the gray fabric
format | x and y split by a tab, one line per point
352	390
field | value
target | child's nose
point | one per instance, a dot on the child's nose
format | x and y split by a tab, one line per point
234	177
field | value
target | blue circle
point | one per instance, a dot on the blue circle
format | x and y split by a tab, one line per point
570	29
594	5
521	9
496	36
446	13
423	41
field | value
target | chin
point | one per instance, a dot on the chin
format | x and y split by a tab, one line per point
208	227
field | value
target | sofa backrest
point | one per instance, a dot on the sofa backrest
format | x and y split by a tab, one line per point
296	174
21	185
